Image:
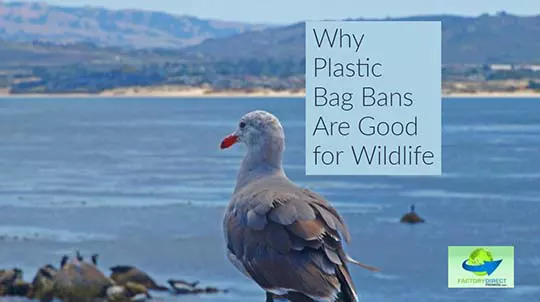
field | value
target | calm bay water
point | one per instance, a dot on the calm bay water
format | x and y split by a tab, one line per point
143	182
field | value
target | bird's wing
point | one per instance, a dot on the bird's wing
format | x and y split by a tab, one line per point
289	238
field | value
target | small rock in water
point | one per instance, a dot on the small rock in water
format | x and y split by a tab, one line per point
412	217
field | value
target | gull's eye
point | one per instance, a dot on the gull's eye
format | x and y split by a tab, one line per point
242	125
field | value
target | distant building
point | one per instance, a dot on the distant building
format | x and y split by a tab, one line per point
530	67
501	67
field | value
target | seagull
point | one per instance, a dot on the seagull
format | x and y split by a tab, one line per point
285	238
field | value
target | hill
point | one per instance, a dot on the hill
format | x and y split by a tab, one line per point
24	21
26	55
486	39
475	50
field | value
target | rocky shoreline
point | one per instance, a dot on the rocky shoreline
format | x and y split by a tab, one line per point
77	279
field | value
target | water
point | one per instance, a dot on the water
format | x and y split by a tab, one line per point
143	182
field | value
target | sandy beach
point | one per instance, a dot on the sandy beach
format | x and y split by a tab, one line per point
491	94
170	91
204	92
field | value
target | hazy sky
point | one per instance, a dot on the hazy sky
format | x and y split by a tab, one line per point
285	11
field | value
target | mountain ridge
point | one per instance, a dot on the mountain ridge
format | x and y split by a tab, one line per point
29	21
485	39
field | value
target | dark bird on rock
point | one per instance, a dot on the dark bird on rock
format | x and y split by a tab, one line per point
412	217
95	259
183	287
43	284
64	261
11	275
284	237
8	279
79	257
122	274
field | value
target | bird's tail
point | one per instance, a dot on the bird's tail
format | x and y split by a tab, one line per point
348	291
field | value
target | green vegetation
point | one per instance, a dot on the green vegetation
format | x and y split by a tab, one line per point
220	75
534	85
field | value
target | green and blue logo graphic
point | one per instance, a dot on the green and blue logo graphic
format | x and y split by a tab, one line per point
481	262
480	267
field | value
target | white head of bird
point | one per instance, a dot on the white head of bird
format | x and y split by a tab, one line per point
264	138
256	129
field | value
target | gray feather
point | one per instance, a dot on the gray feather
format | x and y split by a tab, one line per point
255	221
285	214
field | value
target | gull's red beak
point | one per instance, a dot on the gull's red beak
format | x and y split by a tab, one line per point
229	141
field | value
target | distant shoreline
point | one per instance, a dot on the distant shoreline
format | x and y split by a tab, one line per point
165	92
201	92
491	94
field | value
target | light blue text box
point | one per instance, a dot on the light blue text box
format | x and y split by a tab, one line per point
385	58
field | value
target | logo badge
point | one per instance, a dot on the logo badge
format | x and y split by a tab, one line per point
480	267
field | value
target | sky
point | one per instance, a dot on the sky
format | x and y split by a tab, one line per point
289	11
